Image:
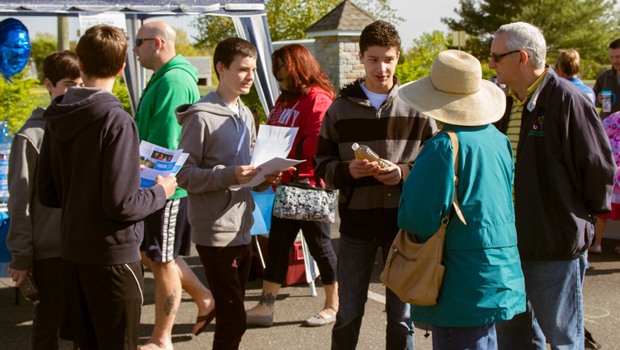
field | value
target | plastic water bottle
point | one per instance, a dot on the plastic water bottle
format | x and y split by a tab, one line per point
29	289
364	152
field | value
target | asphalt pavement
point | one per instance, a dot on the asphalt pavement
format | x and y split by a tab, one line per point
294	305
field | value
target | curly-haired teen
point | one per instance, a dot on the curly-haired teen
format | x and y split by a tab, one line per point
369	111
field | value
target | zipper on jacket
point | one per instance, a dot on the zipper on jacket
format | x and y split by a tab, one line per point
375	189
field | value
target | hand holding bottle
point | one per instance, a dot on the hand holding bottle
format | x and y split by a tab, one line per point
362	168
389	176
364	152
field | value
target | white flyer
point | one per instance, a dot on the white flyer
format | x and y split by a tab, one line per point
273	144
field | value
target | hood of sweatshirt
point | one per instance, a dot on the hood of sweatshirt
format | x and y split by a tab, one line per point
354	92
177	62
211	103
79	107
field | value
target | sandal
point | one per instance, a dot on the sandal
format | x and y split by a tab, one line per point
207	319
318	320
595	249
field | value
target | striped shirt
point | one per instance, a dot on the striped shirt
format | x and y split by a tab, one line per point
514	121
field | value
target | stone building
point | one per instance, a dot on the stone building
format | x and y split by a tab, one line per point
336	42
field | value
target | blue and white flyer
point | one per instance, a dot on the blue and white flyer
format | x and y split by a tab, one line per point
158	161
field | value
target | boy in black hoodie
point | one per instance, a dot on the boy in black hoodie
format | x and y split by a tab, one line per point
89	167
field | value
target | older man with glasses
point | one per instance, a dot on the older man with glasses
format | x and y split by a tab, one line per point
563	179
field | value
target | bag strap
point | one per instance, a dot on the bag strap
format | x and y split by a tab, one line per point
298	150
455	154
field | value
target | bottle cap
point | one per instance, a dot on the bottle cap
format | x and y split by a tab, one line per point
355	146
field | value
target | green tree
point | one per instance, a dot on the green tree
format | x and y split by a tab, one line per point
287	19
43	45
184	46
419	59
21	101
584	25
380	9
120	91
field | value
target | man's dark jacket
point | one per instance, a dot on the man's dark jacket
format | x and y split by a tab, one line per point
564	171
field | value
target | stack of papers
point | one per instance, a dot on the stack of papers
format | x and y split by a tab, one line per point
273	144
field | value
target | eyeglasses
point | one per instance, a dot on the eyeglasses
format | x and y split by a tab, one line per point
138	42
497	57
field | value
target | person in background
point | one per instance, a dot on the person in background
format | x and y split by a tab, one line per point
567	66
167	234
611	125
90	167
370	112
609	80
34	232
563	178
483	282
306	95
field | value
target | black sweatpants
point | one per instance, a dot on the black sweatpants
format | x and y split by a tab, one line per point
102	305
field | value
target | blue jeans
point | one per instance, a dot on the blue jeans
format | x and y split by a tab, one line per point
356	259
470	338
553	289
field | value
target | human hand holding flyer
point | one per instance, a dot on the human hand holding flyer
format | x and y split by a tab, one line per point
273	144
159	161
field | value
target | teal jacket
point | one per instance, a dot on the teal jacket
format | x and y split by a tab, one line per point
483	282
174	84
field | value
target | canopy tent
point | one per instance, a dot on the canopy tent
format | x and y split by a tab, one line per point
248	16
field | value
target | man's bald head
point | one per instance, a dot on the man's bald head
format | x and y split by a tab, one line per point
157	45
160	30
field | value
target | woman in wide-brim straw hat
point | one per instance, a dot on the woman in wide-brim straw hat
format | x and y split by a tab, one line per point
483	283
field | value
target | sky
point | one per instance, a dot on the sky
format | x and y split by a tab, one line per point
421	16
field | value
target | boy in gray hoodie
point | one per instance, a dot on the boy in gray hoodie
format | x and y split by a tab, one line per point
219	134
34	233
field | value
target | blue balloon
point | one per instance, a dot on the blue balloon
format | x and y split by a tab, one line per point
14	47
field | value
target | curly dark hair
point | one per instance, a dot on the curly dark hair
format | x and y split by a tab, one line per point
615	44
379	33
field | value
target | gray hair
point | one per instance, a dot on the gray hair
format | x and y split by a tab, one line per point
524	36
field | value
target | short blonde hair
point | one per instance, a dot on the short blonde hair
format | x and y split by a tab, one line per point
568	62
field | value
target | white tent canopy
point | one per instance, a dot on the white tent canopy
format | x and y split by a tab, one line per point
248	16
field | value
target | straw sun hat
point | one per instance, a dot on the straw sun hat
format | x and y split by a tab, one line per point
455	93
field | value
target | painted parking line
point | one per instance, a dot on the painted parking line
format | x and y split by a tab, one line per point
376	297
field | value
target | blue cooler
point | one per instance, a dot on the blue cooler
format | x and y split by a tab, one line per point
5	255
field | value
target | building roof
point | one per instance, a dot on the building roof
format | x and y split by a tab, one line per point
345	17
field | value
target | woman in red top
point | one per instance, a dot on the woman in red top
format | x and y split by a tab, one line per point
306	95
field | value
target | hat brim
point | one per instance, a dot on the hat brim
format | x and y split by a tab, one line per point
480	108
